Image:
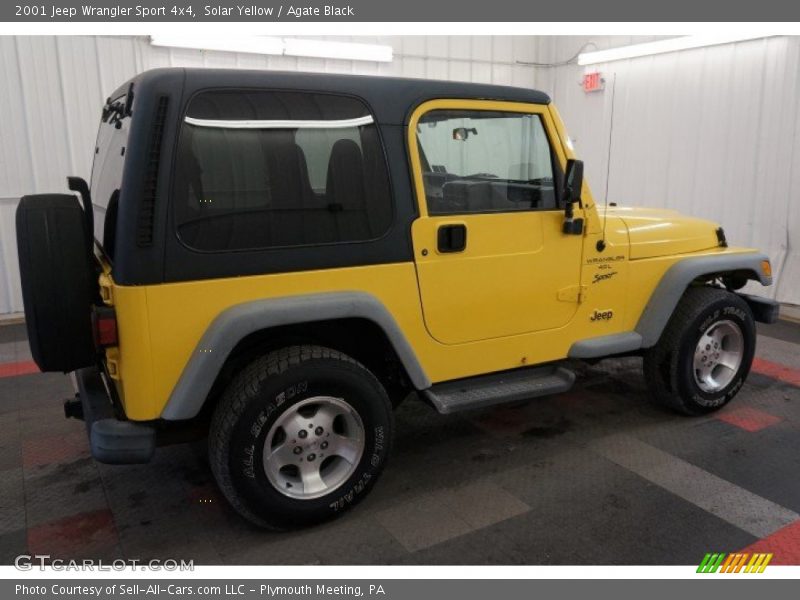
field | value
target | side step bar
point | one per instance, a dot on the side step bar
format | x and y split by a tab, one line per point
499	388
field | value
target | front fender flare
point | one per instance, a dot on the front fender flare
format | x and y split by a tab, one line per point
674	282
235	323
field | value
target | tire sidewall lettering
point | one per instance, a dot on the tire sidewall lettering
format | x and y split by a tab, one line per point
707	322
274	405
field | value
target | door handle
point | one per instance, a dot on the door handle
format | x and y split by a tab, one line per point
451	238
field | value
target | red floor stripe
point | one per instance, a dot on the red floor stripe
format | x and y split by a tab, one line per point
784	544
776	371
75	536
61	448
747	418
18	368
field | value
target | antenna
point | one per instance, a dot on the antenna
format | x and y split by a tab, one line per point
601	245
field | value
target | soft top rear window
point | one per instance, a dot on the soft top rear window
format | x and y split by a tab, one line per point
264	169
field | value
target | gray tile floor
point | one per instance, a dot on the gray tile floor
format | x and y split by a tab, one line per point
594	476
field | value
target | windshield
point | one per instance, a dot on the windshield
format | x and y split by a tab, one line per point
109	159
485	161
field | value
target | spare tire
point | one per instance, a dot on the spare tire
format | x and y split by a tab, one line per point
59	281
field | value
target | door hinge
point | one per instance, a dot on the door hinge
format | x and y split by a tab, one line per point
112	363
573	293
106	289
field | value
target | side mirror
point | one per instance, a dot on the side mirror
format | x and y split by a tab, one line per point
573	183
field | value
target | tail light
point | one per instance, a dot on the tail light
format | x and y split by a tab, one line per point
104	326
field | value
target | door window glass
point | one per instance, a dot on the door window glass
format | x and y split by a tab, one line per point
485	161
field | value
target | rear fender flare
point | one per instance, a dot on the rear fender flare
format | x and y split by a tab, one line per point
239	321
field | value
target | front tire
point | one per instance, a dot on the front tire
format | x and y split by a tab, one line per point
704	354
300	436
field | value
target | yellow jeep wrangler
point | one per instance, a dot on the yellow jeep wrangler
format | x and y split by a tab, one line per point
284	256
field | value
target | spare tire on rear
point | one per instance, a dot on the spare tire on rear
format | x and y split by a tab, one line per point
59	282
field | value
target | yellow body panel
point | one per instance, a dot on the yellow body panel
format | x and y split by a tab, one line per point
504	283
160	325
652	232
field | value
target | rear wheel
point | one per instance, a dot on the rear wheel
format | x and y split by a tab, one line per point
704	354
300	435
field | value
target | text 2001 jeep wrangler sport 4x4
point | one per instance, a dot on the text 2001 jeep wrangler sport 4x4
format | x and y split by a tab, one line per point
288	255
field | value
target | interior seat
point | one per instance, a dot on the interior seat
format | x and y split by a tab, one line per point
346	193
293	217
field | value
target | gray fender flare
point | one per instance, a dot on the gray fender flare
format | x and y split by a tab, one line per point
673	284
236	322
665	298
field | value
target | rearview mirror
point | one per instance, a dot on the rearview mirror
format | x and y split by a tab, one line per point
461	134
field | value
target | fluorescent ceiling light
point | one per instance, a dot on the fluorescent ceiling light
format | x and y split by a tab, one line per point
279	124
660	47
340	50
280	47
247	44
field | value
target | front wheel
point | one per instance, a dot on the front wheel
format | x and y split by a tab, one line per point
300	435
704	354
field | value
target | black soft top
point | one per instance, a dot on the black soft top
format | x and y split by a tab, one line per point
392	99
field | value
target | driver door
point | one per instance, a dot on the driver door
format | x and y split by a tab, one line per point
491	258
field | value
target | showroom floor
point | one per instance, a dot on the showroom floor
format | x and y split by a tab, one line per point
595	476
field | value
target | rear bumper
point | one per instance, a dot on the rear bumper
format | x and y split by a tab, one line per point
112	440
764	310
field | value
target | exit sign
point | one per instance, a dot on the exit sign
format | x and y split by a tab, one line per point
593	82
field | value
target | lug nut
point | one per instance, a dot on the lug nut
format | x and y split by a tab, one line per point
323	445
297	450
311	457
319	430
303	434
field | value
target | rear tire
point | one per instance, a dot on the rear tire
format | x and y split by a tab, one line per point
704	354
300	436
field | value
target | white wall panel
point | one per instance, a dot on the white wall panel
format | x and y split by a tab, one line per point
55	87
713	132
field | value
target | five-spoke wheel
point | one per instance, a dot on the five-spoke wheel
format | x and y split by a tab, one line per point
313	447
718	355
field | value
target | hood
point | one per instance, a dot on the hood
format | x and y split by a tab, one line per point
660	232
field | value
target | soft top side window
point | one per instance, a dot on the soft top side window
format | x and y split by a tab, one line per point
263	169
477	161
